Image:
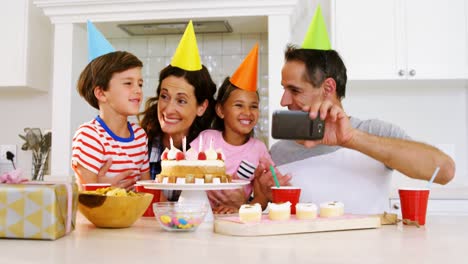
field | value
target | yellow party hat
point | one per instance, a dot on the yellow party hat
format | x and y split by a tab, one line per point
317	36
186	55
245	76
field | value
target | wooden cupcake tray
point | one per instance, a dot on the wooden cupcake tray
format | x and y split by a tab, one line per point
231	225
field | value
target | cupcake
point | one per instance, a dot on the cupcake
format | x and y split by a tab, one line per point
331	209
249	213
279	211
306	211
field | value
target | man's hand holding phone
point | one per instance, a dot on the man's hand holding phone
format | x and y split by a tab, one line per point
321	123
338	127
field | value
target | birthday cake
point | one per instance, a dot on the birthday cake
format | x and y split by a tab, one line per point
204	166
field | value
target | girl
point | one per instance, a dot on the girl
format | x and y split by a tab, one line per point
237	114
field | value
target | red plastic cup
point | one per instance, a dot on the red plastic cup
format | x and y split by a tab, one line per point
414	204
156	194
95	186
286	194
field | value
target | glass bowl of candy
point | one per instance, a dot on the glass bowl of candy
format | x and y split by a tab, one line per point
180	216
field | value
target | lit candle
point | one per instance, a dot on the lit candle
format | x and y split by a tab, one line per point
184	144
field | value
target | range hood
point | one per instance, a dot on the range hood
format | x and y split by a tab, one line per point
175	28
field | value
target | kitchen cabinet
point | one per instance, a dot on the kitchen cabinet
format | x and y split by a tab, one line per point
26	46
401	39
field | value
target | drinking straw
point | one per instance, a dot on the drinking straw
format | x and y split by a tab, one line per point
274	176
433	177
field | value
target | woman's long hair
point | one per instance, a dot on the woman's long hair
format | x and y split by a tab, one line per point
204	88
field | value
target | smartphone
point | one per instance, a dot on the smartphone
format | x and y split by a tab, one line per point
296	125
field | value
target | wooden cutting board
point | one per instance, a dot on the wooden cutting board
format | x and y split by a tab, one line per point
232	226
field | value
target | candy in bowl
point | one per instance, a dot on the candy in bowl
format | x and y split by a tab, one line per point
177	216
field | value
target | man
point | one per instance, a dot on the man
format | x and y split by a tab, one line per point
354	161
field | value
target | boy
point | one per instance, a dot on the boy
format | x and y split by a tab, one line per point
111	83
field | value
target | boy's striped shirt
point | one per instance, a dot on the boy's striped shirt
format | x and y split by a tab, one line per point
93	144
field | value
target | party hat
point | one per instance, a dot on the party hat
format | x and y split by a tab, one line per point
317	36
186	55
97	43
245	76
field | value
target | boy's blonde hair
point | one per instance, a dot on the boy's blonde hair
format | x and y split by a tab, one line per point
99	73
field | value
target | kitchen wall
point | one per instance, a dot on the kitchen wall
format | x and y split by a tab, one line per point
20	109
433	112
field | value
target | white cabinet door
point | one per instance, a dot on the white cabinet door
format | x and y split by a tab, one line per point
12	25
26	46
401	39
365	35
436	39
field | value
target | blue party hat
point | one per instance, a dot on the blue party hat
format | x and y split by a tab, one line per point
97	43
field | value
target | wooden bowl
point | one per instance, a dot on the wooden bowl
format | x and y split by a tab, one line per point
113	211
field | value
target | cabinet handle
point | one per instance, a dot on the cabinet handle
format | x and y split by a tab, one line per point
401	72
412	72
396	206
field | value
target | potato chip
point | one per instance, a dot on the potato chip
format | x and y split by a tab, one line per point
111	191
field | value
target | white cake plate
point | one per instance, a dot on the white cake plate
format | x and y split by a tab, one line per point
192	192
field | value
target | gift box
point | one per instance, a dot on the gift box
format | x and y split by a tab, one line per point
37	210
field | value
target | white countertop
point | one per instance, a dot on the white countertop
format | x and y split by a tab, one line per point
444	239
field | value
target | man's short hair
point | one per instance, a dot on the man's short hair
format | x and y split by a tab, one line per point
320	65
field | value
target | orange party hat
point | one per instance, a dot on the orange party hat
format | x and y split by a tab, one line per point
245	76
186	55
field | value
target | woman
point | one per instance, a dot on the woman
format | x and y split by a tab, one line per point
183	107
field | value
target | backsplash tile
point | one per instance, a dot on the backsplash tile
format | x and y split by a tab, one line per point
154	66
212	45
230	63
248	41
231	44
139	47
156	46
171	44
120	43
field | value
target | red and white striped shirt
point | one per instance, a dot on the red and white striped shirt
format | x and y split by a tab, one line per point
94	143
